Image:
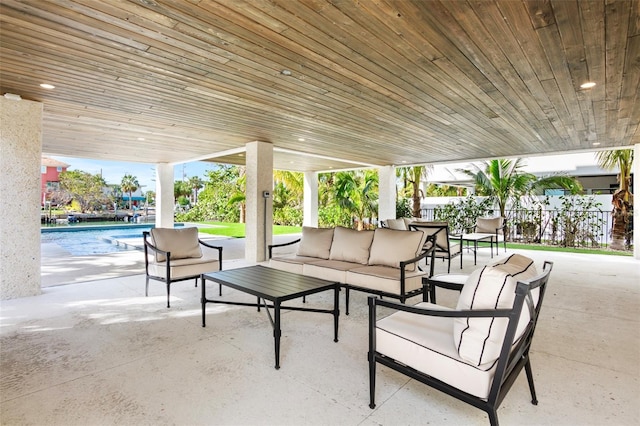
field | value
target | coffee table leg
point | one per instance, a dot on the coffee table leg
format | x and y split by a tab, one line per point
336	312
203	299
475	251
277	332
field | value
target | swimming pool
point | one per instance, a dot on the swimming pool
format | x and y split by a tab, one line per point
88	240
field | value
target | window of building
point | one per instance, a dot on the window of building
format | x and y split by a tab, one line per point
43	169
58	169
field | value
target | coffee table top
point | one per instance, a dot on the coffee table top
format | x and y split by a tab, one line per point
268	283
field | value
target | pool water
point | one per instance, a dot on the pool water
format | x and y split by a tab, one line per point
87	241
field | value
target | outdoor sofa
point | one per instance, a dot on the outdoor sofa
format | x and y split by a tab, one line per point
385	262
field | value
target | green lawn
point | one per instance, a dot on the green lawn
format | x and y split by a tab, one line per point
236	230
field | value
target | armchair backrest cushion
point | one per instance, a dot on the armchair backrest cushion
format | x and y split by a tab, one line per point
479	340
181	243
315	242
397	224
350	245
488	225
439	229
390	247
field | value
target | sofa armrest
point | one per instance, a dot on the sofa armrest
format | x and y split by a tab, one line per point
290	243
211	246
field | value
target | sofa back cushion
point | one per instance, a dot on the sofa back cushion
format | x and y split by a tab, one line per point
315	242
390	247
350	245
479	340
182	243
487	225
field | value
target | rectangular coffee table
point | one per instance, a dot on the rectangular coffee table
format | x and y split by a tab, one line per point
275	286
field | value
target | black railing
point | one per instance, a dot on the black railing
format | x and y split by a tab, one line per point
579	228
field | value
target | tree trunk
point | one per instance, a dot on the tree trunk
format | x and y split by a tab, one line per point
618	229
620	217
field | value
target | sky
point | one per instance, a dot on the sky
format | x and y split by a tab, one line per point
113	171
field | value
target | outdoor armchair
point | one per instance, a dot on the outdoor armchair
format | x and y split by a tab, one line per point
447	246
474	352
495	226
172	255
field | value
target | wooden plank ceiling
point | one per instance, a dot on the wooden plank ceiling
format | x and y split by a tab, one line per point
372	82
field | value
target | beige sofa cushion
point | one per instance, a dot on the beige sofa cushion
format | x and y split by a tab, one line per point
384	278
181	243
479	340
315	242
350	245
390	247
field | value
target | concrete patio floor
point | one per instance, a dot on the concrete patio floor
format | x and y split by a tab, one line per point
97	352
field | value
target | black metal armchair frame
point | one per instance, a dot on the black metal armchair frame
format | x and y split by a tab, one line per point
443	246
510	362
150	249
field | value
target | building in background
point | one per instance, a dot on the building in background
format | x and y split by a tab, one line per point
50	177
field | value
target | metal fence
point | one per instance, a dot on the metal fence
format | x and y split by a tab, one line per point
579	228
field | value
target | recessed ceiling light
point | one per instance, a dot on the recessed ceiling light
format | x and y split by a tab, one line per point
300	139
285	72
47	86
404	161
140	139
587	85
595	143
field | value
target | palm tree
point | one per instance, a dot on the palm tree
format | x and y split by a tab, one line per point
129	184
357	192
181	189
622	199
503	180
414	176
196	184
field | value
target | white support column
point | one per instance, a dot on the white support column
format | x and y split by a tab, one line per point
164	196
259	219
636	209
387	193
20	179
310	198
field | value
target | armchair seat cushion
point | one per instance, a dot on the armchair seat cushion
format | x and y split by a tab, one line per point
424	343
188	267
384	278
